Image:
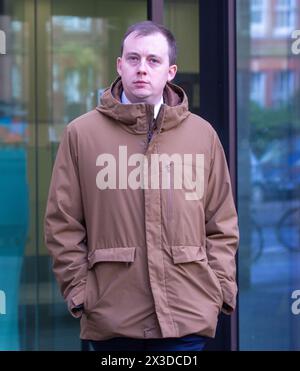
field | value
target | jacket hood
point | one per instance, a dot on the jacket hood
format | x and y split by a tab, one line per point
135	117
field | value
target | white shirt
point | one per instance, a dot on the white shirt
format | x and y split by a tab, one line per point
125	100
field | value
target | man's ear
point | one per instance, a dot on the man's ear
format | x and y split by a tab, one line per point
119	66
172	72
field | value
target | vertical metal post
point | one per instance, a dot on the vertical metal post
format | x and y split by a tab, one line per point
232	126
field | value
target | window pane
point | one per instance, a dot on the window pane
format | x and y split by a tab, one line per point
268	181
256	11
182	18
16	164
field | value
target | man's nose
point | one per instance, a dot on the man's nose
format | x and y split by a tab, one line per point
142	70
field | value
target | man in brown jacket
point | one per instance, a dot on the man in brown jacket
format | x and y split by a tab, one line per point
140	220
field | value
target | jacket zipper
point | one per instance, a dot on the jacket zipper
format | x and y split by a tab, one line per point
153	127
170	195
151	131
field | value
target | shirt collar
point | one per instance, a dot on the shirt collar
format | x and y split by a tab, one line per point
125	100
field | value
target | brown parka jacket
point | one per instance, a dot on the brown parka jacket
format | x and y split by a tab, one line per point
147	259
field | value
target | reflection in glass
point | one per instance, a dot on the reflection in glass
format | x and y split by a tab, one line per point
187	39
14	198
269	173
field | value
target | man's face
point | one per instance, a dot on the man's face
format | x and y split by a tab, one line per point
144	67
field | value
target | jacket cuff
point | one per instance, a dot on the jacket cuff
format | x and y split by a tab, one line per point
229	297
75	303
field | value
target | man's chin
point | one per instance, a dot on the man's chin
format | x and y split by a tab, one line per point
141	98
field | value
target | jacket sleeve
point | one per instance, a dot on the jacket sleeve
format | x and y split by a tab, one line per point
222	234
64	226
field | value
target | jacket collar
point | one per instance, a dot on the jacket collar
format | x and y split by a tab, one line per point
136	117
125	100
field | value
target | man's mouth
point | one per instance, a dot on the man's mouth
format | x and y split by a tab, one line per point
140	82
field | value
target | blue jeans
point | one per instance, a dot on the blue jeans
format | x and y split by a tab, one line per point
185	343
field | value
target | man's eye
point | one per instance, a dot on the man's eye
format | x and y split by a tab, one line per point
154	60
133	59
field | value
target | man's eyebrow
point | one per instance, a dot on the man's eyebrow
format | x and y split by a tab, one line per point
131	53
137	54
154	56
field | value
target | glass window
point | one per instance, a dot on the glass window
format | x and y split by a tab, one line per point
257	11
258	86
258	16
285	15
15	156
284	87
72	24
268	92
182	18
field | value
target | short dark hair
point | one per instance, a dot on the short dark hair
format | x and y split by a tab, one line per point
146	28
